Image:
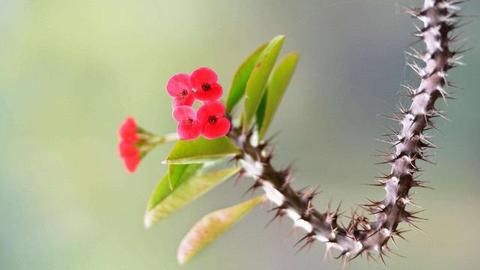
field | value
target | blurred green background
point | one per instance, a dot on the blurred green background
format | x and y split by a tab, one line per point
71	71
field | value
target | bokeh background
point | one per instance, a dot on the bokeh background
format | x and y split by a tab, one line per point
70	71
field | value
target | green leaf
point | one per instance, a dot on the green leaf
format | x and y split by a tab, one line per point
256	83
179	172
211	226
276	87
261	110
237	89
201	150
191	185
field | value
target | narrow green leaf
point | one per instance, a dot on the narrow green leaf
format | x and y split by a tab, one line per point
179	172
256	83
201	150
164	201
261	110
237	89
211	226
170	181
276	87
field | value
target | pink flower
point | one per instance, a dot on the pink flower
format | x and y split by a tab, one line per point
180	89
204	81
130	155
128	138
211	117
128	130
188	127
210	121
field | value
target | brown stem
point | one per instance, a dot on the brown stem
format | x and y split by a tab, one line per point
361	236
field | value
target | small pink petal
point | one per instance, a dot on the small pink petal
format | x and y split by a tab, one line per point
128	130
183	113
127	149
131	163
184	100
188	131
130	155
210	109
212	93
220	128
179	83
203	75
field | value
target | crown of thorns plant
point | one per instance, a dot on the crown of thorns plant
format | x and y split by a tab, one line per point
206	143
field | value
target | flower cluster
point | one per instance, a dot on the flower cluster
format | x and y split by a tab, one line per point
127	146
209	120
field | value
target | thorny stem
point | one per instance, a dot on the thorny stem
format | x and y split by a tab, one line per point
361	236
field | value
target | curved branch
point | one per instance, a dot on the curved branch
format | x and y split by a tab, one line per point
362	236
